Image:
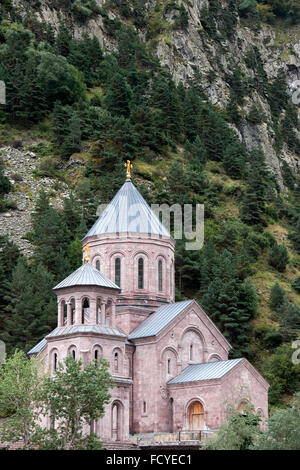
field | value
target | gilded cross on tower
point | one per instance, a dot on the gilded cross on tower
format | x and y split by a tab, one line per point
87	251
129	167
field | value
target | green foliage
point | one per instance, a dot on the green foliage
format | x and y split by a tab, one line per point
278	257
296	284
256	115
294	236
31	310
84	10
21	399
76	396
283	430
253	204
277	297
239	432
281	373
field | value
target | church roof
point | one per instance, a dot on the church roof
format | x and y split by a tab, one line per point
205	371
38	347
68	330
128	212
159	320
86	275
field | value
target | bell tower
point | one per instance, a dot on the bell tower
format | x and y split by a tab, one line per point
131	247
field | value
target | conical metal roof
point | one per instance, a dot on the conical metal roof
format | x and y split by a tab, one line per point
128	212
86	275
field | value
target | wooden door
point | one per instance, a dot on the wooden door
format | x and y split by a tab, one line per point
196	416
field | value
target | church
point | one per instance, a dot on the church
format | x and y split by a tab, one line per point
168	360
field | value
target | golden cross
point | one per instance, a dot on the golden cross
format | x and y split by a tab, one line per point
129	167
87	251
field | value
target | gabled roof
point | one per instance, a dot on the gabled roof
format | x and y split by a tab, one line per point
86	275
159	320
38	347
205	371
128	212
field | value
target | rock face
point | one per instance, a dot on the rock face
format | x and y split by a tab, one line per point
184	50
18	167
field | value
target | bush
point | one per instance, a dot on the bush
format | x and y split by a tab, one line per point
278	257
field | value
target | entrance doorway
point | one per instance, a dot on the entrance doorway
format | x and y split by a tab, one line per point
116	422
196	416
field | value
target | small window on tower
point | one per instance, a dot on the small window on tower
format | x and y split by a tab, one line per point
118	272
144	407
160	276
98	265
169	366
141	273
116	362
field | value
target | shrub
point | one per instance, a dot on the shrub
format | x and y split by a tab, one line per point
278	257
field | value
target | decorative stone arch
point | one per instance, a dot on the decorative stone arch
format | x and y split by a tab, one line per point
97	352
72	306
117	420
214	358
97	257
117	360
195	414
112	265
260	412
54	359
198	349
169	361
140	254
85	308
242	404
72	351
62	312
164	274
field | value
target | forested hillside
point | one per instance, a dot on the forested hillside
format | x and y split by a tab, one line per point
198	95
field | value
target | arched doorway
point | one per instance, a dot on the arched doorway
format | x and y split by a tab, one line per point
116	420
196	416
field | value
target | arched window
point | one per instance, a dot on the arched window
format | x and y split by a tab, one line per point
160	285
72	311
141	273
72	352
97	353
65	307
191	352
118	272
55	361
99	317
98	264
85	309
116	362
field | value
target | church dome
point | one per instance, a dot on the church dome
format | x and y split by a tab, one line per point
128	212
86	275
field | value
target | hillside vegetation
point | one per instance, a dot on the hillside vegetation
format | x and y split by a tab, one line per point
86	110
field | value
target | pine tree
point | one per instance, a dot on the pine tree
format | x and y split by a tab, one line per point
289	323
294	236
32	306
72	143
277	297
278	257
117	99
253	204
